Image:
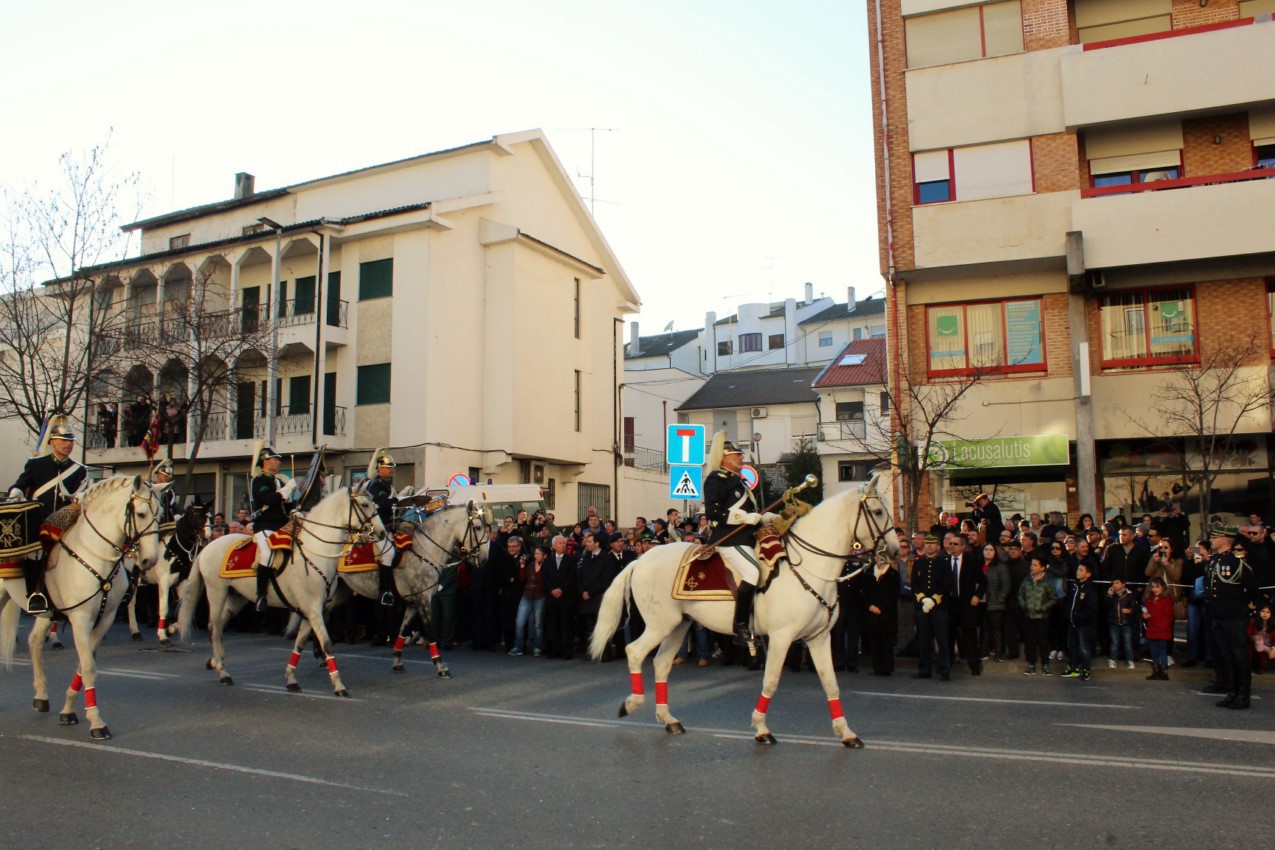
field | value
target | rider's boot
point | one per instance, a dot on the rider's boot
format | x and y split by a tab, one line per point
743	613
263	584
33	571
387	584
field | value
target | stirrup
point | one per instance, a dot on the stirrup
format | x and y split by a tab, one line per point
37	603
744	635
387	599
262	605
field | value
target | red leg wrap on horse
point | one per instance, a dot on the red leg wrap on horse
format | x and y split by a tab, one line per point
661	693
331	665
53	629
834	707
399	642
763	703
636	678
433	651
76	683
90	697
163	623
294	659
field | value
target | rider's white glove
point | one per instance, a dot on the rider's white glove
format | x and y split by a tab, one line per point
407	492
769	517
927	605
738	517
16	495
289	490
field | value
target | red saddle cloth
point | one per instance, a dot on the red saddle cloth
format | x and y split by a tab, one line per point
705	579
360	558
240	560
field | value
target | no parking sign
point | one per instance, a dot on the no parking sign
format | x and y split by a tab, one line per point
749	475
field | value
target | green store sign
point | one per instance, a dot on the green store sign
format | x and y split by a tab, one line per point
1044	450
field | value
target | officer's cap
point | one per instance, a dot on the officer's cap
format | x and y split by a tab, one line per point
1219	530
931	538
267	453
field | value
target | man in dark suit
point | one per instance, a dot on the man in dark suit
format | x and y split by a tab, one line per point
932	589
970	586
560	601
620	557
594	575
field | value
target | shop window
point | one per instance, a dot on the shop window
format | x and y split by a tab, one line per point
959	35
993	336
1149	328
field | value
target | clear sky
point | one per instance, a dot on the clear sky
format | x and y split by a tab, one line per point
733	160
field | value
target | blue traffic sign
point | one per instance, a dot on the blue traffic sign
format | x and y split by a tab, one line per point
686	482
685	444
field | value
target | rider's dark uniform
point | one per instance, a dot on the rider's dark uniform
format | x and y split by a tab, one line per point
381	491
270	513
724	491
38	472
1232	589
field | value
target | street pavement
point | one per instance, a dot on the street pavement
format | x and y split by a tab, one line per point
528	752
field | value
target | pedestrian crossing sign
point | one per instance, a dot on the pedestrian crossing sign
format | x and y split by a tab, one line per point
686	482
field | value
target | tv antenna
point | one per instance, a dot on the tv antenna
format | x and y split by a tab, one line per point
593	156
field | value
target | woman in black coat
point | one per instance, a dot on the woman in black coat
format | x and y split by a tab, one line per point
880	591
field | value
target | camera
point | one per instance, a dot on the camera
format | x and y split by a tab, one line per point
970	505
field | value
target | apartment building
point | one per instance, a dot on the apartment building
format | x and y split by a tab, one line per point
1074	202
460	308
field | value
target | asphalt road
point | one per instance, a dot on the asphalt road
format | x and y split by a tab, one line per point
528	752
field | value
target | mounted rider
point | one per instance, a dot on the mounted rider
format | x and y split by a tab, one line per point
733	520
380	473
270	499
163	474
52	479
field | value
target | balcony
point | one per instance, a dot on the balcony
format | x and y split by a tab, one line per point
1194	218
1021	229
637	457
296	318
854	430
1204	68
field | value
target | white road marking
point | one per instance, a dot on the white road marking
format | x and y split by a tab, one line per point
922	748
991	700
113	671
280	689
1245	736
236	768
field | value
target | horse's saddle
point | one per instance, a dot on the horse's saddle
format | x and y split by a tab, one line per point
703	575
240	560
357	558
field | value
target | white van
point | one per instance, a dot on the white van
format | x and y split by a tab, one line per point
504	500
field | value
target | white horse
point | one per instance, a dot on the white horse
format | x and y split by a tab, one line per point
178	551
306	584
84	584
447	536
800	604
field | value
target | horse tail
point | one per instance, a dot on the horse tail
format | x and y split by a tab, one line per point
8	630
610	612
190	601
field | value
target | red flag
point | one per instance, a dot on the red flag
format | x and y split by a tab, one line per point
150	443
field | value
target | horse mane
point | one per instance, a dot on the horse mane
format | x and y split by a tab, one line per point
101	489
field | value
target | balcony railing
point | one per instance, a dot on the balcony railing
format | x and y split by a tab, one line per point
842	429
1180	182
292	423
334	421
1175	33
640	458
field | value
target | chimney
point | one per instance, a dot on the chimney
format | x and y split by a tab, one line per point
849	299
810	292
635	341
244	185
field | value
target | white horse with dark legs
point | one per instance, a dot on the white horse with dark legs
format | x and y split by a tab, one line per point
178	551
800	604
85	585
446	537
307	582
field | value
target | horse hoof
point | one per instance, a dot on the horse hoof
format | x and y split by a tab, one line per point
102	734
767	740
165	643
294	688
444	673
853	743
69	719
40	705
399	668
343	693
57	644
137	637
226	680
624	709
675	729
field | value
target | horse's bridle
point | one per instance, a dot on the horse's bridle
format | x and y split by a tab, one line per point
466	548
355	534
129	547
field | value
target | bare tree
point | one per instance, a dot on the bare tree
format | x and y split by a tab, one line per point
1212	405
47	305
194	343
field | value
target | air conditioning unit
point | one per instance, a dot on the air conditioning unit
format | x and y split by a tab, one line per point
759	413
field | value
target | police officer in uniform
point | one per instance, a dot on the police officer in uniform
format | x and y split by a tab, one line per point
733	517
381	491
269	497
932	586
50	478
1232	587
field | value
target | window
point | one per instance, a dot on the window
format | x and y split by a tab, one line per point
1128	178
176	242
973	173
303	295
1264	156
999	336
253	228
1270	309
848	411
1105	20
959	35
373	384
579	400
725	348
776	341
749	342
825	339
878	332
858	333
1140	153
850	471
376	279
885	404
299	394
1148	328
577	307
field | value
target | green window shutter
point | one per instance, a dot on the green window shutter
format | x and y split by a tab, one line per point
334	299
299	394
376	279
374	384
303	296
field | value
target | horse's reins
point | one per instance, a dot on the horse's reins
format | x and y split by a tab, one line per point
355	534
467	554
129	546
